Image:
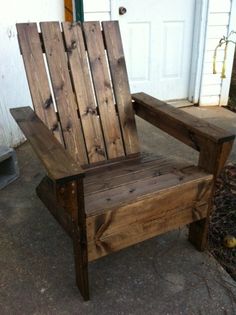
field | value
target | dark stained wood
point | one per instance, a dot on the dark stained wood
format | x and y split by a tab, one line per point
132	222
103	91
46	192
62	88
139	170
66	206
32	54
90	168
57	162
100	200
190	130
121	198
71	197
212	158
84	93
120	82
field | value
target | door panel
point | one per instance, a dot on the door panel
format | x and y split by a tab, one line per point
157	37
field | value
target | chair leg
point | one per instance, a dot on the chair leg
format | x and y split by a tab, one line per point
198	232
81	266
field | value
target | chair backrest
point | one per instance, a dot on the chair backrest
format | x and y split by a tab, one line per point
79	87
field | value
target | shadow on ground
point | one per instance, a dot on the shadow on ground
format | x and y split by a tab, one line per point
165	275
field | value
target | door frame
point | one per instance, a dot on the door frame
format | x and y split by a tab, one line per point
224	95
198	45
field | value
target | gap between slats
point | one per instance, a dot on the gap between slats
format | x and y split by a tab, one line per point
113	98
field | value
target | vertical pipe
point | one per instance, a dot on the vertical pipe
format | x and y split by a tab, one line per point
79	10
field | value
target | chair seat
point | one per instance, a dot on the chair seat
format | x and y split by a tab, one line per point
140	199
112	186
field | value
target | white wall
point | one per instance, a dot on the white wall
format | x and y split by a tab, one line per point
214	90
97	10
14	90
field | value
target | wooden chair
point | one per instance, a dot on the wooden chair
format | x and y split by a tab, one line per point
100	188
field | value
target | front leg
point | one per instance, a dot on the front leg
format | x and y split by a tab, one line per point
71	196
212	159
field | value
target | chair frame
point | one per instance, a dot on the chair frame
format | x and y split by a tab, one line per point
62	189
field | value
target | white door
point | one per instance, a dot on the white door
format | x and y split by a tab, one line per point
157	37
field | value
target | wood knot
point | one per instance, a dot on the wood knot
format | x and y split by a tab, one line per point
99	150
54	126
48	102
120	60
73	44
106	101
62	190
69	126
90	110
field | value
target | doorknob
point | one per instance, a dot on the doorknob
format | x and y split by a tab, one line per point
122	10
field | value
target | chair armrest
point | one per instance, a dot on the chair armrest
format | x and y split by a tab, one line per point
59	165
190	130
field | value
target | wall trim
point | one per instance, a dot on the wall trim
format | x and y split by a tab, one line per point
224	95
198	50
79	10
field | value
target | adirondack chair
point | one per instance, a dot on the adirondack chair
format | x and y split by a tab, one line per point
100	188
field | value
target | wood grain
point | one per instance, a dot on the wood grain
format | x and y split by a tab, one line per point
32	54
84	93
189	129
125	173
58	163
63	92
103	200
103	90
212	158
120	83
147	217
46	192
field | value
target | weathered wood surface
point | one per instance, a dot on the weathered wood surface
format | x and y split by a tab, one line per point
105	208
103	89
65	202
212	158
190	130
71	196
120	82
47	193
57	162
130	172
128	188
63	92
135	212
32	54
83	90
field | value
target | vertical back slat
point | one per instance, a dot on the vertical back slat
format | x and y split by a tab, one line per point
84	93
63	92
102	86
121	88
37	76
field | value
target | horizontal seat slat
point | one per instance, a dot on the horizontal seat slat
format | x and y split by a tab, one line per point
117	187
124	215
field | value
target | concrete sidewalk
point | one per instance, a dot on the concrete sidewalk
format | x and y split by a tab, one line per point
165	275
